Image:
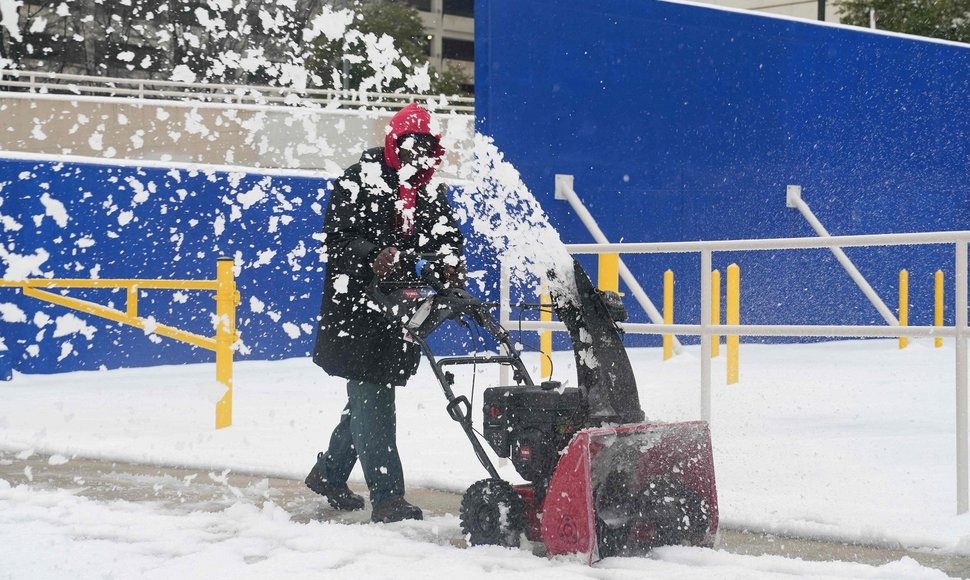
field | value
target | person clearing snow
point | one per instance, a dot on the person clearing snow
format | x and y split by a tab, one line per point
382	216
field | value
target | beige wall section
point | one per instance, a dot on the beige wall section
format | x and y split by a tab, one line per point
807	9
267	137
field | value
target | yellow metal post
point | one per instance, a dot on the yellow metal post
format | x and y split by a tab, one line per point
132	305
226	300
609	272
668	312
733	318
938	310
903	305
715	311
545	336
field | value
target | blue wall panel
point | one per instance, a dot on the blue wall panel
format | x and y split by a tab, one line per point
172	235
682	122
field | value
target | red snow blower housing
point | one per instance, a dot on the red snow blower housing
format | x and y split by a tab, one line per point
602	481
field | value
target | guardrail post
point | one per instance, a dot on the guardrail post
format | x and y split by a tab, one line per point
938	305
668	312
715	310
609	272
733	318
545	337
504	307
131	307
226	300
960	287
903	305
706	318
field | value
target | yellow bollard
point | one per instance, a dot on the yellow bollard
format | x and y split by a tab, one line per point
715	311
938	311
609	272
668	312
733	318
903	305
545	336
226	300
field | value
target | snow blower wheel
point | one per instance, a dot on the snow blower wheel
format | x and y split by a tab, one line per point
492	514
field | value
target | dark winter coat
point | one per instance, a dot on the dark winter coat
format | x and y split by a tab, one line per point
355	341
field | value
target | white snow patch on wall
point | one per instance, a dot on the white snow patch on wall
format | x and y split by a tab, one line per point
264	258
54	209
41	319
292	330
68	324
11	313
66	349
20	267
255	304
141	194
38	132
254	195
10	224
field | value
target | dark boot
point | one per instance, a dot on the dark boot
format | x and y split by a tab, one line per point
395	509
338	496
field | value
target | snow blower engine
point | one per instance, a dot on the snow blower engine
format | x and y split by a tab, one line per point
601	480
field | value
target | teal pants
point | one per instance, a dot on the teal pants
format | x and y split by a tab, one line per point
367	430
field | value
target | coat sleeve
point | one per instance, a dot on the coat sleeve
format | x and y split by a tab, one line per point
440	230
348	249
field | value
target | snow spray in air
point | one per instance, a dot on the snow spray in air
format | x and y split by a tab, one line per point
499	207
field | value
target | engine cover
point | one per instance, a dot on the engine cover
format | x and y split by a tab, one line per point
531	425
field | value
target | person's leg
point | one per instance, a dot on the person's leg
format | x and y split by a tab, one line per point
373	425
336	464
329	474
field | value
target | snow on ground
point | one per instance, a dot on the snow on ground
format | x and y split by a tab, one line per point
58	535
851	440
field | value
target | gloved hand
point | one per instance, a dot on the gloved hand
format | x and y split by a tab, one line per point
454	276
386	262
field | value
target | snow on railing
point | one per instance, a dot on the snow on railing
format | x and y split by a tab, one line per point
705	330
83	85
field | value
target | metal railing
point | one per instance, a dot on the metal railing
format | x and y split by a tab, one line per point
226	297
705	330
96	86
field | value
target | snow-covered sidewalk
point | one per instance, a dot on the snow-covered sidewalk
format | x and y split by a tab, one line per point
851	440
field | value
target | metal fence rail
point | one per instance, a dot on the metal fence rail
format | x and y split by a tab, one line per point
83	85
705	330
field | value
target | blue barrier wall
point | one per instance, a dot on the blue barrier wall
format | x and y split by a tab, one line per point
683	123
180	222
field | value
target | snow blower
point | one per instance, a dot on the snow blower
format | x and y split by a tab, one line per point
601	481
